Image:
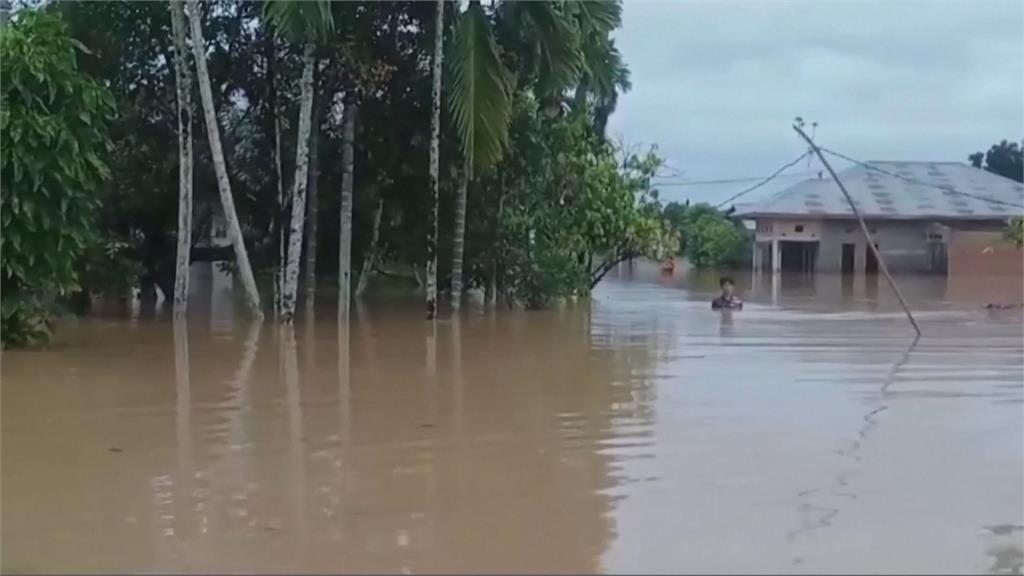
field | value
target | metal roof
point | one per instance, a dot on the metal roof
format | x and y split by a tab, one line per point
915	190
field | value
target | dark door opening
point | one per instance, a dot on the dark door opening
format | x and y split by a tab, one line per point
849	253
937	258
870	262
798	256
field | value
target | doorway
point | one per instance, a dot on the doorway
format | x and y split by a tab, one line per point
798	256
870	262
849	254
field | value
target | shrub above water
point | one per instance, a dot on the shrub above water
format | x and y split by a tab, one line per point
53	126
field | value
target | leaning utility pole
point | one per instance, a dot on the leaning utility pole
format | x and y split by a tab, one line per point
863	227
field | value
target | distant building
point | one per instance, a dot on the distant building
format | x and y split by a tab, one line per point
914	218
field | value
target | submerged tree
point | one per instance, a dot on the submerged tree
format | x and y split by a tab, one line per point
532	197
435	135
306	22
184	100
216	150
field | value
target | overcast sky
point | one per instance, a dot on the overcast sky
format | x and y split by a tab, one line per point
716	84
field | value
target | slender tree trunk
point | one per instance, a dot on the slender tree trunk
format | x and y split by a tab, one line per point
278	221
371	253
497	253
298	193
435	131
348	135
216	151
183	77
282	211
312	206
459	234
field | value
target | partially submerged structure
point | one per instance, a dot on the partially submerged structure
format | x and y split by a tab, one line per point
914	211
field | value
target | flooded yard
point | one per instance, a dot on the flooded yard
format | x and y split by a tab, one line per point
641	432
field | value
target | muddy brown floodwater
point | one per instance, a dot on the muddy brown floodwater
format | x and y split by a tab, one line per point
641	432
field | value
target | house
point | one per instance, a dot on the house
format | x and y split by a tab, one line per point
914	211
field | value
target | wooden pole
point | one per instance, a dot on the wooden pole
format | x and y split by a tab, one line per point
863	228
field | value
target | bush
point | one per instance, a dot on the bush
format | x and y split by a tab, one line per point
707	237
52	122
715	242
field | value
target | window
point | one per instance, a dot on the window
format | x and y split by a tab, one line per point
799	228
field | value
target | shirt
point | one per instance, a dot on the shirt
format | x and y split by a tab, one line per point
732	303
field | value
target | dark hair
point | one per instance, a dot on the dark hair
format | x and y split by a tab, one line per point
726	280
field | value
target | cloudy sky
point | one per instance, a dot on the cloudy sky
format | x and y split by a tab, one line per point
716	84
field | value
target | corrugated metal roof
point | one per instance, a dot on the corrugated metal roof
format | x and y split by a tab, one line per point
915	190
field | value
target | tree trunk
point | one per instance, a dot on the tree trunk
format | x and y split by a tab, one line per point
435	130
371	253
312	206
495	281
348	135
252	295
183	77
298	193
278	221
459	234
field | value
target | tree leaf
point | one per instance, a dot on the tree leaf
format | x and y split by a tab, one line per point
479	91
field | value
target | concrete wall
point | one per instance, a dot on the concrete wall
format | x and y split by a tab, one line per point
904	245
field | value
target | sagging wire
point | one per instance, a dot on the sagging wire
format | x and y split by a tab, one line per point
765	181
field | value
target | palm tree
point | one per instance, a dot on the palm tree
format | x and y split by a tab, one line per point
183	78
604	74
480	93
219	166
348	135
312	206
435	132
308	22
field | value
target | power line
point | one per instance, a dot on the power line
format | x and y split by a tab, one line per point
918	182
728	180
764	181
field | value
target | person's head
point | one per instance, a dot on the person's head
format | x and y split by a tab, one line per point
727	285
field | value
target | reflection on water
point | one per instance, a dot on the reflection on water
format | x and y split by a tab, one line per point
643	432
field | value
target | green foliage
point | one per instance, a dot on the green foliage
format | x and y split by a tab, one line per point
53	123
557	43
551	206
478	91
715	242
706	236
572	209
308	20
1005	159
1014	231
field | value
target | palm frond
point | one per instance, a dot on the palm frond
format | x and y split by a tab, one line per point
558	42
596	16
301	21
479	91
604	69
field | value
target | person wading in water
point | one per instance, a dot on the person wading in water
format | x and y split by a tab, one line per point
727	301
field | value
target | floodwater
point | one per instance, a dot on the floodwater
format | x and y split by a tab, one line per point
640	433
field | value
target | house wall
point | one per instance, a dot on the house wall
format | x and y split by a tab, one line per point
903	244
